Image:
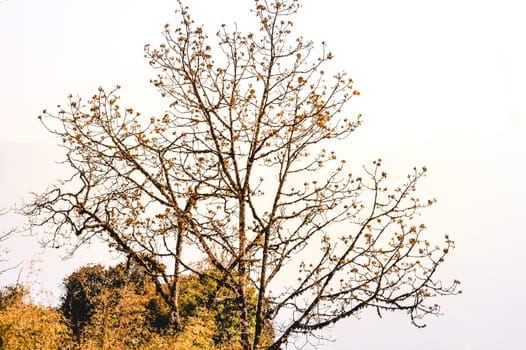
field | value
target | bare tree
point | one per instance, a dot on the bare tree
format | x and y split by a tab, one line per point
238	173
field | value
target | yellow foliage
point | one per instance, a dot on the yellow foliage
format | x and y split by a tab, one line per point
25	325
118	322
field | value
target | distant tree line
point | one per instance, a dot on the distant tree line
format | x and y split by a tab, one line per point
118	307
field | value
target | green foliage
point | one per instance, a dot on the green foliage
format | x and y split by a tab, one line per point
223	312
196	294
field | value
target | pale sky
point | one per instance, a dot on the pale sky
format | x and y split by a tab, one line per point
443	84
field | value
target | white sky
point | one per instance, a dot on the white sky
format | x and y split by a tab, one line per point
443	84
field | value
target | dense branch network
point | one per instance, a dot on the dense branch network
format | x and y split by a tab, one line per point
237	173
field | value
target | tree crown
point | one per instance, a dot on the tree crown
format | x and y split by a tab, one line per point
238	171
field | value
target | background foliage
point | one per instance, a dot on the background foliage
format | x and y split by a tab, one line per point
118	308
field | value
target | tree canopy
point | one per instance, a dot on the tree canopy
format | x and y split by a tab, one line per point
242	171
